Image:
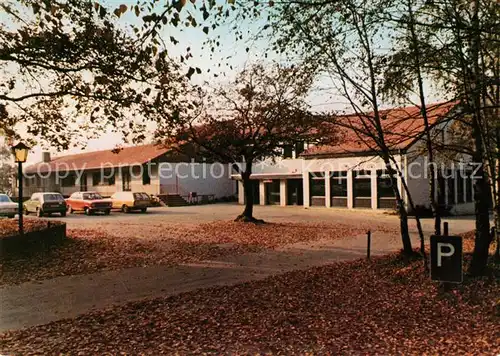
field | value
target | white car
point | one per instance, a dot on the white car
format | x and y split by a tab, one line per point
7	207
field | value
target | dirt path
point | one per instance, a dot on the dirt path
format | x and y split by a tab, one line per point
36	303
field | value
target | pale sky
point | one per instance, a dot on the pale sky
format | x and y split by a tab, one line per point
229	47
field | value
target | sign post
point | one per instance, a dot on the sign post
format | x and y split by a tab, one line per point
446	258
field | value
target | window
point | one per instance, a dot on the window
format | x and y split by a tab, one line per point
317	184
384	185
288	151
92	196
460	187
126	179
469	185
109	177
68	181
273	191
362	184
338	184
141	196
440	189
450	185
146	178
96	178
53	197
30	181
299	148
5	199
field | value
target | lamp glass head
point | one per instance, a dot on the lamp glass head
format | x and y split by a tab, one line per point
20	152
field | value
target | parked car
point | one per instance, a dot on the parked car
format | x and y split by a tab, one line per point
45	203
7	206
128	201
88	202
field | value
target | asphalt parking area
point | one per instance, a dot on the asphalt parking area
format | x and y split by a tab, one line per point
228	211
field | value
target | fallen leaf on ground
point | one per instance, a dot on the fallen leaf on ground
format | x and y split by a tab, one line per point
360	307
93	250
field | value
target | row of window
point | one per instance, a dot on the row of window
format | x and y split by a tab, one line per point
103	179
464	187
361	184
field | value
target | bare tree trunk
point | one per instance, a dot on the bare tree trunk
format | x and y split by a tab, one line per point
247	189
417	219
482	189
423	110
247	214
403	223
496	113
403	214
483	237
496	234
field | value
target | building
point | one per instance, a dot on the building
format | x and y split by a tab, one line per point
352	175
147	168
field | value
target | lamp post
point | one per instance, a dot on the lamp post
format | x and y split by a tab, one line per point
20	152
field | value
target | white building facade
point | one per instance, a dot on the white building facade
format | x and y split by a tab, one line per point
356	182
148	168
357	179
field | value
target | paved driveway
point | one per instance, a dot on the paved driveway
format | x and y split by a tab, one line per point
206	213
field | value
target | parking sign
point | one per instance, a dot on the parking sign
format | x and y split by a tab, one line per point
446	258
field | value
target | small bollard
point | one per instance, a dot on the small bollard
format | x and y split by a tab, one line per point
369	243
445	229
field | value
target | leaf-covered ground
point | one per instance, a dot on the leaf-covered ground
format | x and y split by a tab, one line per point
89	251
362	307
10	227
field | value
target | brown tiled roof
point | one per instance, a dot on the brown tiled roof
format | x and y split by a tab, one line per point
401	126
126	156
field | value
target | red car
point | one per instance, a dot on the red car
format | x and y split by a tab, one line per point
88	202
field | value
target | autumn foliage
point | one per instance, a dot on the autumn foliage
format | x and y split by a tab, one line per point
383	306
90	250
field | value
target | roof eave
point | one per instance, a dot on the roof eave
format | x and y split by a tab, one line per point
351	154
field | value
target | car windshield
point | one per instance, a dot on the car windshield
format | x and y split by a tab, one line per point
91	196
53	197
5	199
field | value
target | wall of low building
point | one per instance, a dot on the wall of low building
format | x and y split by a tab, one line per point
418	182
49	182
137	182
279	166
202	178
457	200
287	169
32	183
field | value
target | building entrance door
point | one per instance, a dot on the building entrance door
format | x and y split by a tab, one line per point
126	180
272	192
295	192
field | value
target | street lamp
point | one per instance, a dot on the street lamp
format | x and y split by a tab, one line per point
20	152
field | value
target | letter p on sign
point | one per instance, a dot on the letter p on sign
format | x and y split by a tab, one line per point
446	258
441	246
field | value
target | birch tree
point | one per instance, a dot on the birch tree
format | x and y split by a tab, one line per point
342	40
